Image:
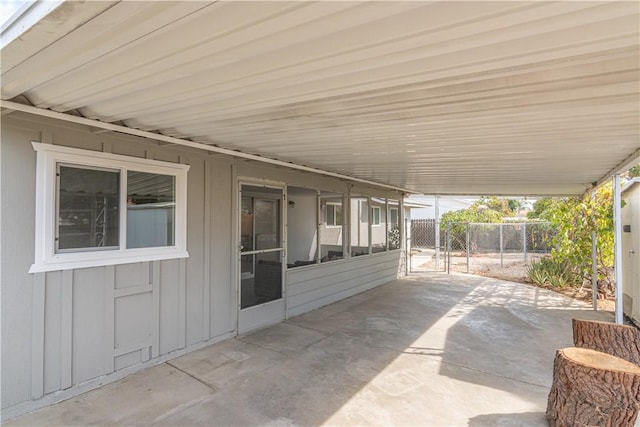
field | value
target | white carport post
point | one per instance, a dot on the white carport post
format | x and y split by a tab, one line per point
437	204
617	245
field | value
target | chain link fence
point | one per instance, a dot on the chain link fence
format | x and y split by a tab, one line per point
479	247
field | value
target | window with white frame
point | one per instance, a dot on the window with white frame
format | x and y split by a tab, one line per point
334	214
96	208
375	215
393	215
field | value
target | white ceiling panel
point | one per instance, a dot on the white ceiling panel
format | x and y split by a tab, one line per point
437	97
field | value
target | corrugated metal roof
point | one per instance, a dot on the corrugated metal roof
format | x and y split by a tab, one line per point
440	97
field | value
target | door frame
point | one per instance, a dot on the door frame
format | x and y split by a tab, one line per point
272	312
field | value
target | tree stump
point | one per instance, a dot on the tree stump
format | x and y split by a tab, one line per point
591	388
618	340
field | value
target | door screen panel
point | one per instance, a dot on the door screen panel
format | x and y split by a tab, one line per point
260	246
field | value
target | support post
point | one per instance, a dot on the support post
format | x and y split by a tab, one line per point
594	270
449	249
407	252
501	246
437	208
467	243
617	246
524	240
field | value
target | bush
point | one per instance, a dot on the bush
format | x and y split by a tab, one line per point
548	271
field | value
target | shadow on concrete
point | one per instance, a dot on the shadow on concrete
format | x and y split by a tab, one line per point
430	349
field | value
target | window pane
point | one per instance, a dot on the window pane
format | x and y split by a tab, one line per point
338	214
359	225
88	214
151	206
331	215
331	228
302	226
378	229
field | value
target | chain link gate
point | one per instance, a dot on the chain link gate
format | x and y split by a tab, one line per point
427	242
481	246
469	247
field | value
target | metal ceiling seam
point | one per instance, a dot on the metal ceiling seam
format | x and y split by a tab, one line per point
621	167
191	144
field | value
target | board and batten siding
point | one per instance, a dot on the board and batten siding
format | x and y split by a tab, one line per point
76	329
314	286
68	328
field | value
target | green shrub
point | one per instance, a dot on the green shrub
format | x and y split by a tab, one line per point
548	271
537	273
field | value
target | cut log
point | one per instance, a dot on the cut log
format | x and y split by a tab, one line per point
618	340
591	388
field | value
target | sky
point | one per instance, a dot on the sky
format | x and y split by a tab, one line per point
8	8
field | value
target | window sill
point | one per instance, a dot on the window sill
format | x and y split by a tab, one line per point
58	265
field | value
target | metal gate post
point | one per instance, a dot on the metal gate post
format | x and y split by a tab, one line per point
407	248
501	247
467	243
594	273
437	207
448	248
524	240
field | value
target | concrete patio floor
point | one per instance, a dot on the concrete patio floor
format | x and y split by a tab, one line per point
429	349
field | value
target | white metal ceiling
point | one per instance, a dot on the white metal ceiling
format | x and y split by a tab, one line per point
439	97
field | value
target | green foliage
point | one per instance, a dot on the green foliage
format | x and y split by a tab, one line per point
548	271
394	237
506	207
575	218
634	172
542	208
487	209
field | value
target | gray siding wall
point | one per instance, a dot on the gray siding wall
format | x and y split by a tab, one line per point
68	328
314	286
64	328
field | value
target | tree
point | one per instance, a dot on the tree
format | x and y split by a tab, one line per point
634	172
575	218
484	210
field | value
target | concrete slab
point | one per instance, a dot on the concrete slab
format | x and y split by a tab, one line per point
144	398
430	349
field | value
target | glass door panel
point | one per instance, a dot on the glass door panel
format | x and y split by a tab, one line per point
261	255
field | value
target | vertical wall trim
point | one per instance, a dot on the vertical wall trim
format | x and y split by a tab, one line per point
66	330
182	304
37	336
206	286
346	222
235	243
182	294
109	318
155	311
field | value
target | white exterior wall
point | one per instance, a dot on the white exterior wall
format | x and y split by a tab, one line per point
631	252
76	329
302	227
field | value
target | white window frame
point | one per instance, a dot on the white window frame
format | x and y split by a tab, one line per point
391	209
334	206
373	216
46	258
